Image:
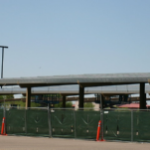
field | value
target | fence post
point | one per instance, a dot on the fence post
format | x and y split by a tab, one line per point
49	122
75	134
101	115
5	119
26	121
131	125
4	111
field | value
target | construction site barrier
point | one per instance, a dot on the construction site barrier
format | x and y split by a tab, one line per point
16	121
62	123
117	125
126	125
37	122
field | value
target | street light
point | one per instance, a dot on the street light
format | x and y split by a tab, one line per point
2	69
2	59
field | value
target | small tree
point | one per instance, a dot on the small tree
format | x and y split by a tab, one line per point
59	105
88	105
10	96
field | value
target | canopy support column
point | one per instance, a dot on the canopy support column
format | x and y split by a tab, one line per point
28	97
81	96
142	96
103	100
64	101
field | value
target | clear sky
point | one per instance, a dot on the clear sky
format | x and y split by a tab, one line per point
61	37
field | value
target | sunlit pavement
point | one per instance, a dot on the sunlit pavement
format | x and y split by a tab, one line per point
41	143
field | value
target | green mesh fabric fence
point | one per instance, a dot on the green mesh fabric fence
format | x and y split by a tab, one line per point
62	122
117	125
15	121
37	122
86	122
141	125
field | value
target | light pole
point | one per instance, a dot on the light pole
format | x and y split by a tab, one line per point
2	59
2	69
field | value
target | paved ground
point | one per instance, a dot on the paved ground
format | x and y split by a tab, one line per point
41	143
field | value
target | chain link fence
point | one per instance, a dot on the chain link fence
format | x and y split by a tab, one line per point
117	124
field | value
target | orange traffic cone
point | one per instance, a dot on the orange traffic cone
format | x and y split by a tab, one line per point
99	131
3	131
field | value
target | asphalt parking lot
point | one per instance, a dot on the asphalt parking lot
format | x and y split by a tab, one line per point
42	143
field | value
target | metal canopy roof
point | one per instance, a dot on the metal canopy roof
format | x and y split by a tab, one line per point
85	79
74	89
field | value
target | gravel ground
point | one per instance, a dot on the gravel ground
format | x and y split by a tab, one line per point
41	143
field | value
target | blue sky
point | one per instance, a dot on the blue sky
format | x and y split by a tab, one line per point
61	37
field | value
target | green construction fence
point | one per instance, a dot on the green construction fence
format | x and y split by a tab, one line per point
124	125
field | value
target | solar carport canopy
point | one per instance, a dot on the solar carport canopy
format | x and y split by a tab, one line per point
85	79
